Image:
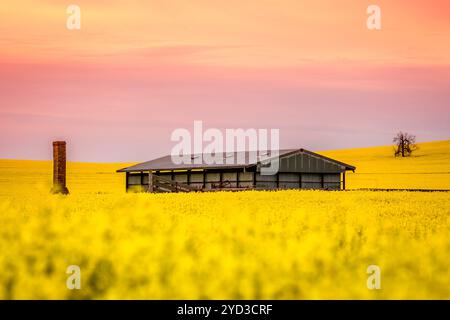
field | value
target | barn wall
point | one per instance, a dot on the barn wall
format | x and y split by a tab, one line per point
306	163
311	181
231	177
246	179
134	179
180	177
266	182
295	180
196	179
137	182
288	181
332	181
211	180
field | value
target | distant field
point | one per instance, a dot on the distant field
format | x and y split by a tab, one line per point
19	176
219	245
427	168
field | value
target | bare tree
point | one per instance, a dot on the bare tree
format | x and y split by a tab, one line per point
405	144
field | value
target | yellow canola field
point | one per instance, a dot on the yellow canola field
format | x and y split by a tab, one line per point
376	167
253	244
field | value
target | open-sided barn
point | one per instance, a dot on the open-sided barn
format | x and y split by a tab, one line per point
298	169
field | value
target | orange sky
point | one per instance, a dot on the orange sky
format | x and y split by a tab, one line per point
244	33
207	59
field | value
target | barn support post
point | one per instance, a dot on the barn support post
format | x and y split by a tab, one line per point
322	182
150	181
189	177
127	178
300	181
204	179
343	180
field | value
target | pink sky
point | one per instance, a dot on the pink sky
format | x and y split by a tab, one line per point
137	70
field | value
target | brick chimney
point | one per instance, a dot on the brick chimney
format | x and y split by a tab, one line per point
59	167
